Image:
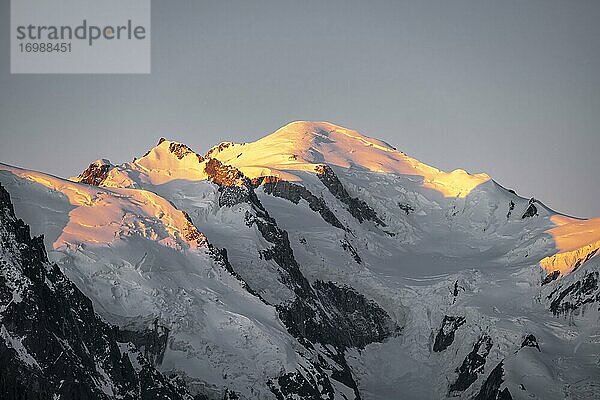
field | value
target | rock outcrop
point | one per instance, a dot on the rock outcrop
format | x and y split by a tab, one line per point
96	173
445	336
358	208
472	366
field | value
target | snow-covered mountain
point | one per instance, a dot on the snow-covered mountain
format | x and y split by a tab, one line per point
53	344
318	262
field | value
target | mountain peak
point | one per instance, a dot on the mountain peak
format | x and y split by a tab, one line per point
311	133
95	173
101	162
302	145
299	146
170	160
165	147
168	153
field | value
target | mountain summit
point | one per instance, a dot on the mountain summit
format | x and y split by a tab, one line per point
301	145
320	263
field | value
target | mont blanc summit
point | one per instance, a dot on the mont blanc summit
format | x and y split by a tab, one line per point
314	263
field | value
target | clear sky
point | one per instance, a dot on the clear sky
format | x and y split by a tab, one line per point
511	88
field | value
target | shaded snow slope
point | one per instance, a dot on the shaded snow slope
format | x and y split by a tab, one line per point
221	337
52	343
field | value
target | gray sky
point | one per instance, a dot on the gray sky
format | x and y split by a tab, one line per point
511	88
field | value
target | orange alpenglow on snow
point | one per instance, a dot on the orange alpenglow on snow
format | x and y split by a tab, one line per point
301	146
169	161
102	215
576	241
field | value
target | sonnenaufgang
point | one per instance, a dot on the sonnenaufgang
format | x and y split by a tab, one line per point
81	32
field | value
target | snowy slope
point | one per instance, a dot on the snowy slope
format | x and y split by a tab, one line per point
379	170
133	260
332	238
53	345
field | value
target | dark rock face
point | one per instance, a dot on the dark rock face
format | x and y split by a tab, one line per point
531	211
330	366
511	208
151	340
490	390
583	291
317	381
54	345
192	234
224	175
263	180
445	336
156	386
218	149
358	208
181	150
294	193
504	395
583	260
407	208
220	256
455	289
530	341
296	383
96	173
472	366
357	320
349	248
552	276
234	187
